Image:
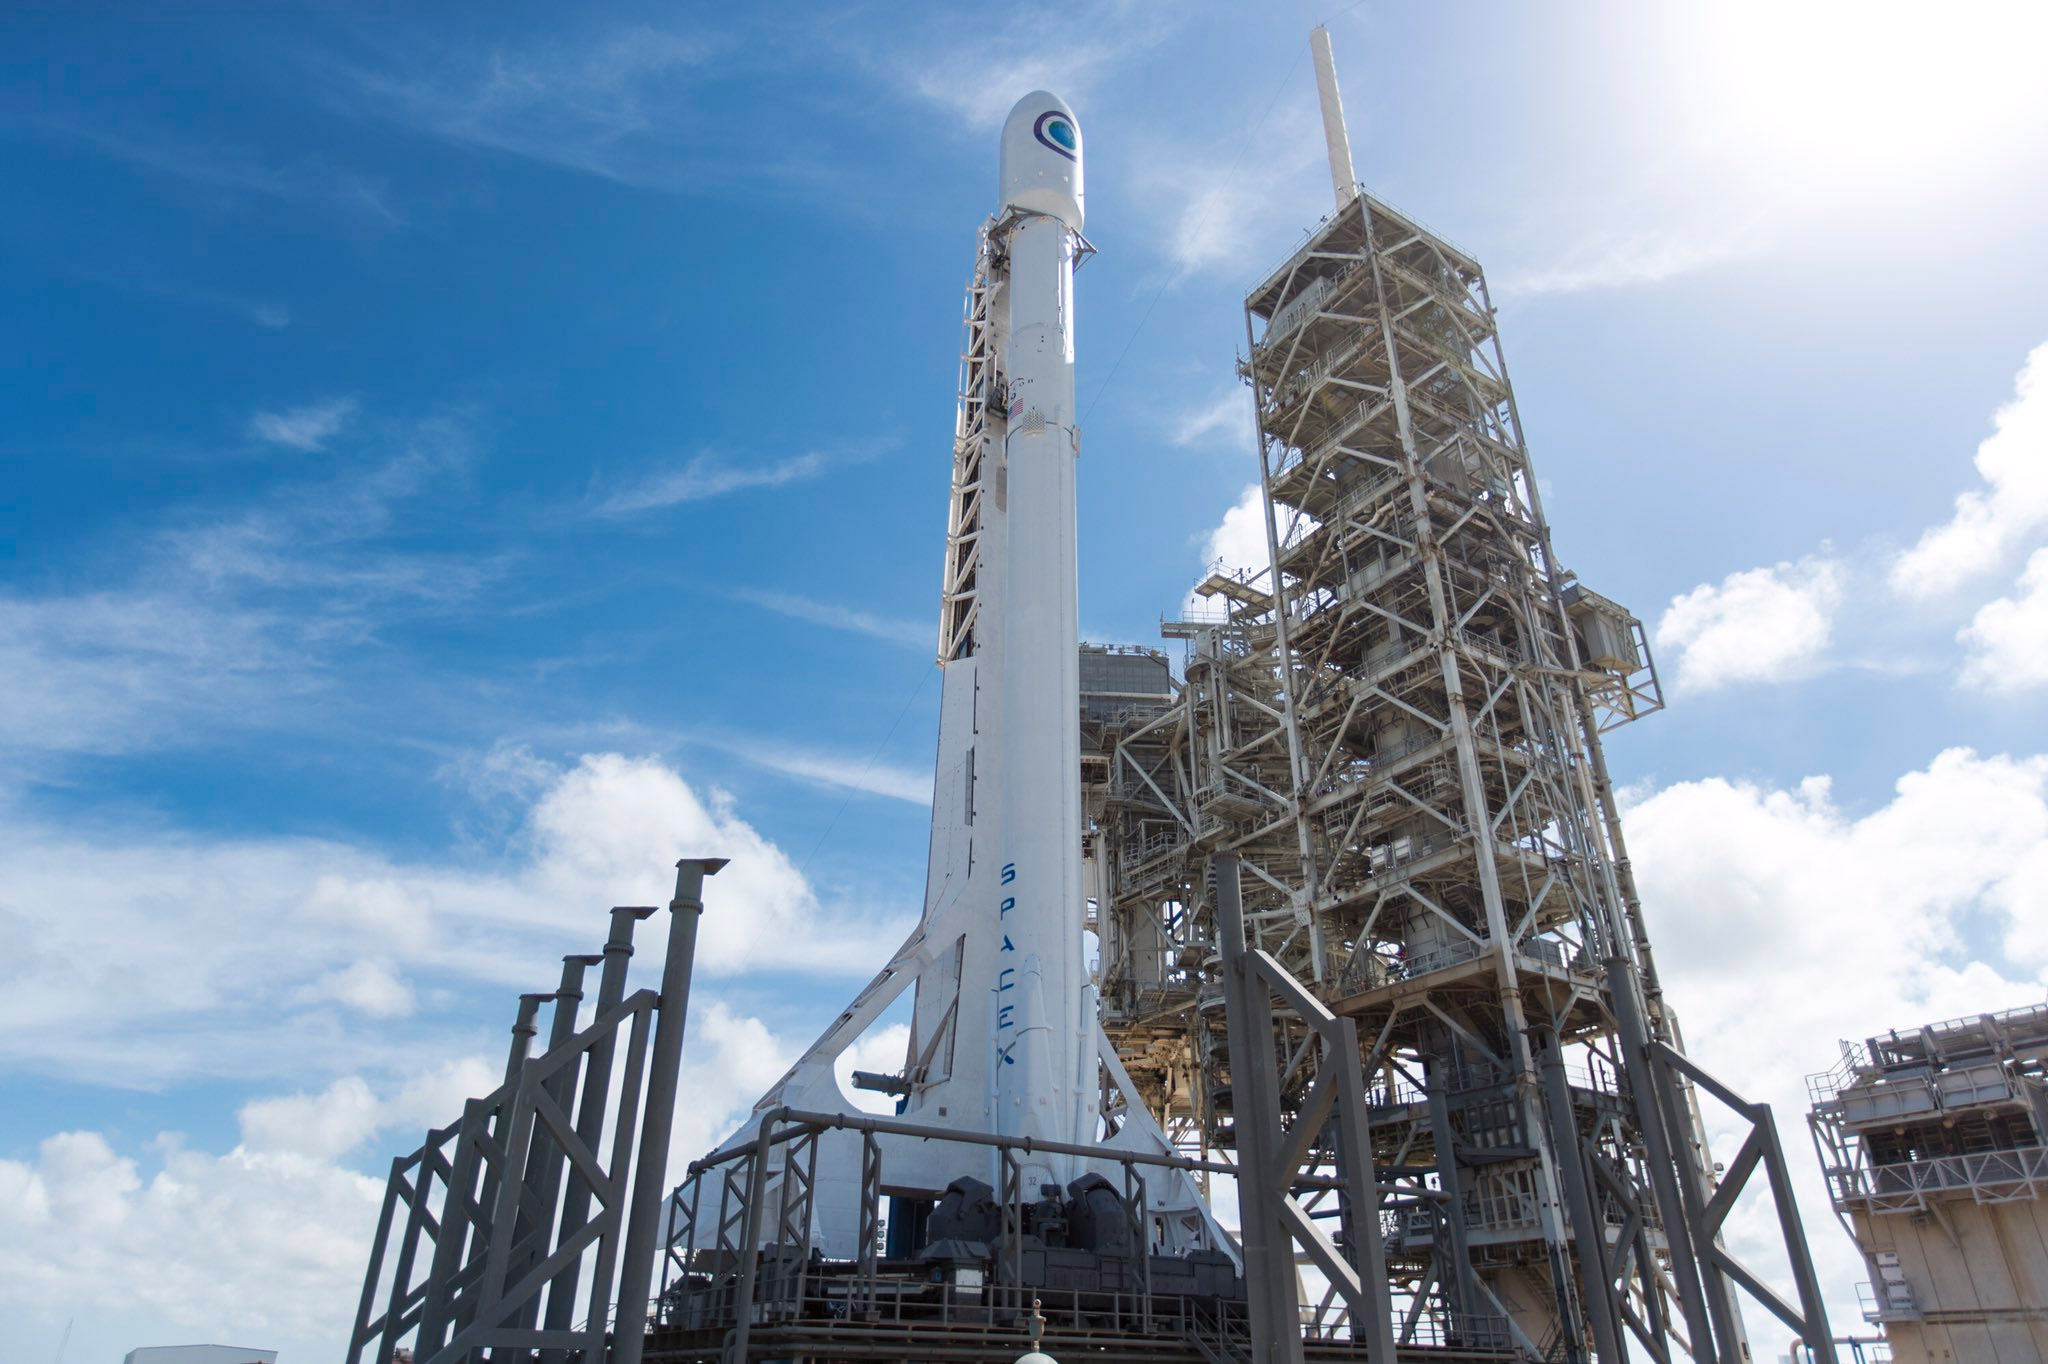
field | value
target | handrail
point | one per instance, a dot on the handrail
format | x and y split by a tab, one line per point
1976	1171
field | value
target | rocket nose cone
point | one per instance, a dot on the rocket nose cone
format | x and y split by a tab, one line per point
1048	120
1041	158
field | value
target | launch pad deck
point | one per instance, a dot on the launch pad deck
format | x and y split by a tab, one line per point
823	1342
1171	1338
806	1308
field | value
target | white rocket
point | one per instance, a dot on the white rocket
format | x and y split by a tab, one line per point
1006	1035
1045	1011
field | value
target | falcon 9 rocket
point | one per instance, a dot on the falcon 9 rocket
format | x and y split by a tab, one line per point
1005	1034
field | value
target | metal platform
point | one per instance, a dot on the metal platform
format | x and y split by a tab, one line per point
844	1318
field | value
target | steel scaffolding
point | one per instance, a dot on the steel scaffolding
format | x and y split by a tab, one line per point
1393	737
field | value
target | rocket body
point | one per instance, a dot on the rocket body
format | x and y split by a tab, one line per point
1005	1029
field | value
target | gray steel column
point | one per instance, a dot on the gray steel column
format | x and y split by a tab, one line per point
453	1230
1298	795
448	1269
1451	1186
1361	1189
1694	1190
750	1239
373	1278
1812	1306
1644	1086
525	1027
643	1228
1255	1119
408	1250
544	1155
611	988
1594	1275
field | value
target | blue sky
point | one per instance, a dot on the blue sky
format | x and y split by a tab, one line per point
456	464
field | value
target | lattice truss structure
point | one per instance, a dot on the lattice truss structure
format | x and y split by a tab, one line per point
1397	734
981	390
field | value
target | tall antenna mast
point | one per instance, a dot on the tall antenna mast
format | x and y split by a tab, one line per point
1342	178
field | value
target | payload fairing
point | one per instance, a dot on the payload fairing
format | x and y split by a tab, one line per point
1006	1037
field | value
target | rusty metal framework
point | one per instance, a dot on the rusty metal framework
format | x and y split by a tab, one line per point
1394	733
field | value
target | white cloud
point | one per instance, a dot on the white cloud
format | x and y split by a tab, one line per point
369	987
324	1125
848	618
177	957
1990	522
2008	637
266	1243
1783	921
1237	212
874	777
881	1051
980	82
978	72
434	1097
1648	256
1228	413
728	1063
303	428
117	671
231	620
263	1246
1238	542
707	476
305	182
613	104
1758	625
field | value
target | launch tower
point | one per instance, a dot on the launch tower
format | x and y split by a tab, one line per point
1383	758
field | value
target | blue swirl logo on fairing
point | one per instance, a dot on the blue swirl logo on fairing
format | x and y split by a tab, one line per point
1054	130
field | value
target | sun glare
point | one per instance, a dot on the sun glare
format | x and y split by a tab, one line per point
1828	94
